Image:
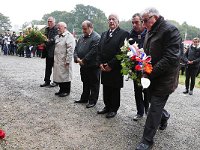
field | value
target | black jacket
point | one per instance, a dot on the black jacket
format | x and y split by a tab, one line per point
109	47
192	54
137	37
86	49
50	45
163	43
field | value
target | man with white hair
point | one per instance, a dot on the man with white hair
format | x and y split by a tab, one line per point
51	31
64	49
162	43
111	77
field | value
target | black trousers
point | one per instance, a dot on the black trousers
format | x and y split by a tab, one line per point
142	97
156	114
111	98
190	75
65	87
48	69
91	82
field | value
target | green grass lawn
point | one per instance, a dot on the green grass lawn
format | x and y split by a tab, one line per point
182	80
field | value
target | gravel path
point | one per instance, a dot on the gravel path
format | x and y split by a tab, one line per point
34	118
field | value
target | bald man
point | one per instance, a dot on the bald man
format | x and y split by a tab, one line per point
85	55
51	31
110	43
64	49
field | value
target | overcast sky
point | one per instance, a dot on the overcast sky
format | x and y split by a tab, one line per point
20	11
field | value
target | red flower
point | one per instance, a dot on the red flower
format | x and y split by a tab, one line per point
138	68
133	58
138	59
2	134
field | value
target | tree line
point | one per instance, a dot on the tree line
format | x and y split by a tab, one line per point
81	12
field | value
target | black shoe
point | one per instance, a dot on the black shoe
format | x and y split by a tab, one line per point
53	84
142	146
90	105
58	93
163	124
63	94
45	84
103	111
81	101
185	92
191	92
111	114
137	117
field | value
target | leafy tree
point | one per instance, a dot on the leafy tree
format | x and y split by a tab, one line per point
96	16
61	16
4	23
126	25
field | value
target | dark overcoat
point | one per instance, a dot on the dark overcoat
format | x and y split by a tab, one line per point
163	43
109	47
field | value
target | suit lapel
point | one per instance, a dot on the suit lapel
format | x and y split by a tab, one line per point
113	34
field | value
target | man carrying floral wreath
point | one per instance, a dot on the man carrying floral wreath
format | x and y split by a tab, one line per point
162	43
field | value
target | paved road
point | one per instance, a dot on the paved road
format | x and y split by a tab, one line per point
34	118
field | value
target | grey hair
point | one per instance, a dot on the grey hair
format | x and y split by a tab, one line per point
53	19
63	24
114	15
151	12
88	23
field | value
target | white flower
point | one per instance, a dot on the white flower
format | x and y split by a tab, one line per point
130	54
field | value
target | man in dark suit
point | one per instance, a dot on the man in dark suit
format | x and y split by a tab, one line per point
85	54
137	34
162	43
111	77
51	31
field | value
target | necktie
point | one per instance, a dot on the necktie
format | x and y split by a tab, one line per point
110	33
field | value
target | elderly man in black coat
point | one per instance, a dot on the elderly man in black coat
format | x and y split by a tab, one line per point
162	43
51	31
111	77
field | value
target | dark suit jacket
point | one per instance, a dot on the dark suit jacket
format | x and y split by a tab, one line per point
163	43
86	49
50	45
109	47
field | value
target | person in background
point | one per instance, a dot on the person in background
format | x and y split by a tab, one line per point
64	49
162	43
192	59
51	31
137	34
111	77
85	55
13	45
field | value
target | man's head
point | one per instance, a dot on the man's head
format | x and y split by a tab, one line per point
87	27
196	41
136	22
113	21
51	22
149	17
62	27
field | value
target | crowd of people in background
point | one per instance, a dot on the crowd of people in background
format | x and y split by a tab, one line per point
9	45
96	55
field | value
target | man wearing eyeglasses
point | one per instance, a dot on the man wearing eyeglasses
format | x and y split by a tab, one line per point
51	31
137	34
162	43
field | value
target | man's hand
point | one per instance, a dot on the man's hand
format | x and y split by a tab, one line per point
190	62
105	67
80	61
